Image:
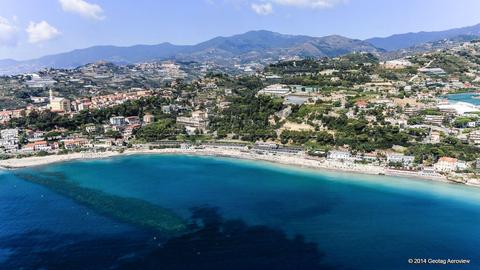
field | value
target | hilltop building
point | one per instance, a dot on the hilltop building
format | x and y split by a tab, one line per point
58	104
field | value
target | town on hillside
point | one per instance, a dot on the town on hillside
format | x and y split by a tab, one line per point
353	112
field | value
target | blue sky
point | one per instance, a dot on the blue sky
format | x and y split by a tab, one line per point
33	28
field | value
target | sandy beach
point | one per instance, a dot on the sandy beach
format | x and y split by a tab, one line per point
302	161
293	160
17	163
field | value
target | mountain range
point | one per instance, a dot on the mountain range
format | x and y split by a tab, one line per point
403	41
251	46
254	45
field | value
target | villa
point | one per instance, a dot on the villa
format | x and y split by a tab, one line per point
448	164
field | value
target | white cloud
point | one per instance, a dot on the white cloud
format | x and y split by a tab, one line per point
42	31
8	33
309	3
83	8
266	7
262	9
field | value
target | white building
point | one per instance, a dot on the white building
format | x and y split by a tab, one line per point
9	133
406	161
474	137
39	99
460	107
472	124
39	82
9	144
198	121
448	164
166	109
91	128
117	121
434	119
9	140
339	155
275	90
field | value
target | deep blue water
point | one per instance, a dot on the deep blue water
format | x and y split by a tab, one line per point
264	217
471	98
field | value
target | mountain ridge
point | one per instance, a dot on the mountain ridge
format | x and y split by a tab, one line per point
407	40
260	44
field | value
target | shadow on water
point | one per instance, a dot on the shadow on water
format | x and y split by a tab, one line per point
212	243
231	244
205	241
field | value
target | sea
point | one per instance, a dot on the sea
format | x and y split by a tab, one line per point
472	98
240	215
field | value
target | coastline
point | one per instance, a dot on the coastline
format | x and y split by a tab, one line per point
298	161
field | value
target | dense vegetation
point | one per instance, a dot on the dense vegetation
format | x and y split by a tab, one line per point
248	117
160	130
348	70
451	147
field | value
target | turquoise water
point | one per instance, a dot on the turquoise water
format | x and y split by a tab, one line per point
338	221
471	98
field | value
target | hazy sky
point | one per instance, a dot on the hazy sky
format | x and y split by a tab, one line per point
33	28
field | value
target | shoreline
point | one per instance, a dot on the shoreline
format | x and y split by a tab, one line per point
302	161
